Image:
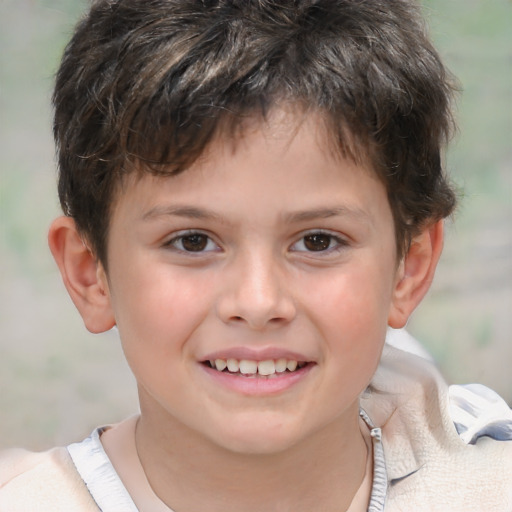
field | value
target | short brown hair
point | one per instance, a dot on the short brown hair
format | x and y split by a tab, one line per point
149	82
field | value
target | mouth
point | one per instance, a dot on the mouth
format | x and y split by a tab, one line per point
267	369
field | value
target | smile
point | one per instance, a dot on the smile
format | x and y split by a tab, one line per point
250	368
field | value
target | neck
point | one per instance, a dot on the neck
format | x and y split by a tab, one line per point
189	472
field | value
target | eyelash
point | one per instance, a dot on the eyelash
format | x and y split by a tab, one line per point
339	242
180	237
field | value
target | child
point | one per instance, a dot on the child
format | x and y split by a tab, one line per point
253	193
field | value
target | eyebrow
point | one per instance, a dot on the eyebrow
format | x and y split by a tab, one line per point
190	212
325	213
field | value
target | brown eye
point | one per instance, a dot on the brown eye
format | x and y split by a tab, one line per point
321	242
194	243
317	242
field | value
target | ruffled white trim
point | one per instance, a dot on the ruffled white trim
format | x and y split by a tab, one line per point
100	477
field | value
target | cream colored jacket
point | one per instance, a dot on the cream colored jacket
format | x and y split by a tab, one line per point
429	467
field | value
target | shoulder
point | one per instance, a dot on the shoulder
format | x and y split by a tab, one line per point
445	448
41	481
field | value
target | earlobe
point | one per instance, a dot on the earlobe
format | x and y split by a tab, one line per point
83	276
416	273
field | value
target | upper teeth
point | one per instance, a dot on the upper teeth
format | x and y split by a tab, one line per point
248	367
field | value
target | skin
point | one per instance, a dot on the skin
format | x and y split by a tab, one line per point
257	286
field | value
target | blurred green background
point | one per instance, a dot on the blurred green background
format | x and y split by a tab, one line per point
57	381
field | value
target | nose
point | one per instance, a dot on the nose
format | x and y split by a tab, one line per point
256	293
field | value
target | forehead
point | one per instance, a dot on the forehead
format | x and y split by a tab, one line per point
280	125
283	166
289	118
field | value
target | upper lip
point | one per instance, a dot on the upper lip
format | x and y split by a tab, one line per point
252	354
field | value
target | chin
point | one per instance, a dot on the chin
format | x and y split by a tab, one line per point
258	438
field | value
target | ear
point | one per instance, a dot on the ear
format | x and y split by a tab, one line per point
84	277
415	274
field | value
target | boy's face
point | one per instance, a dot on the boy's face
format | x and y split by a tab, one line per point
271	249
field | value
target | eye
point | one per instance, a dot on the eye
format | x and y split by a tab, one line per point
318	242
193	242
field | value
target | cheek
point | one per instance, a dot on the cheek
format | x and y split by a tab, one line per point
350	310
159	308
157	325
350	301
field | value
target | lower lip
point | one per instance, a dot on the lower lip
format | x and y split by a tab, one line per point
259	385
